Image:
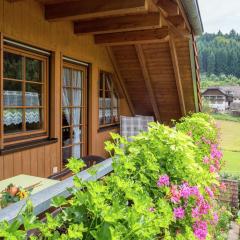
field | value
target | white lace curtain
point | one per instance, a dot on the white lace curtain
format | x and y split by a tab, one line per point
76	112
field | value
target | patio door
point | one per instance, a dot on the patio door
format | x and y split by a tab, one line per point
74	111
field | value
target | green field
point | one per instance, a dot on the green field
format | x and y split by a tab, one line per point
230	144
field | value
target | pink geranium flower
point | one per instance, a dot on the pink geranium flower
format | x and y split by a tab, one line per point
163	181
179	213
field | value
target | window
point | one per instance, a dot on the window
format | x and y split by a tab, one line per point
74	111
108	101
24	93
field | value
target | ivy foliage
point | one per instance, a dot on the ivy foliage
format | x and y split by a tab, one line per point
130	204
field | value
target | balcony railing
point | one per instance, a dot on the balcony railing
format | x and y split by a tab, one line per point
42	200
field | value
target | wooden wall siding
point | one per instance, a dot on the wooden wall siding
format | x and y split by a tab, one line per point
186	73
37	161
160	67
131	72
24	21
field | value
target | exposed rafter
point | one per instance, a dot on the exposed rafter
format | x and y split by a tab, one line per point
115	66
147	80
118	24
169	7
133	37
93	9
177	75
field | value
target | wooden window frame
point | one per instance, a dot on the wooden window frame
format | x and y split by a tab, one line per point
24	136
84	107
113	90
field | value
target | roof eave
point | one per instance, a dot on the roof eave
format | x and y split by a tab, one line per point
192	10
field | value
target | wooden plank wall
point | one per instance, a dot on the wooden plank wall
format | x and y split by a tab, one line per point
186	73
159	62
24	21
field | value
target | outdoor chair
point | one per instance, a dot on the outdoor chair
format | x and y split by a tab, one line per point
132	126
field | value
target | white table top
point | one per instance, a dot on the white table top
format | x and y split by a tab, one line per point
25	181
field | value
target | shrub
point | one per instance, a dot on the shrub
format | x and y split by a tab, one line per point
162	187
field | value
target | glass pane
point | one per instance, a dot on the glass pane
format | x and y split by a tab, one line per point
101	100
12	94
77	97
101	117
115	117
77	79
66	116
12	120
67	97
33	118
33	70
33	94
108	83
108	99
115	100
12	66
77	135
66	77
66	136
76	151
67	153
108	116
101	80
77	116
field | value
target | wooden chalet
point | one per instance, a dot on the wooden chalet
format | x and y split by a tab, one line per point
70	68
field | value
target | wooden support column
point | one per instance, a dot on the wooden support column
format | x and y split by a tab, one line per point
147	80
1	91
112	58
177	75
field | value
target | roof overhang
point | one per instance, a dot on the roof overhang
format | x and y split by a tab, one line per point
192	10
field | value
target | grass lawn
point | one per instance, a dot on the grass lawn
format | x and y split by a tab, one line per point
230	144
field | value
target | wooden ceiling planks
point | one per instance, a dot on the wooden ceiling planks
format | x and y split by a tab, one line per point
131	73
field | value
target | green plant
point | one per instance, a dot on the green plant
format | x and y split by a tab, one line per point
153	193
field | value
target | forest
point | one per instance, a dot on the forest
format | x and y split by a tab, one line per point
219	57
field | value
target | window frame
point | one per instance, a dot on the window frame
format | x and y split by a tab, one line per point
112	91
23	136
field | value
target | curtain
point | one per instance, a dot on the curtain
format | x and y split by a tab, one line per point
66	95
77	96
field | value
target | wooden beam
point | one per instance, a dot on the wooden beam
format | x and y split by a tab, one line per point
133	37
177	20
93	8
147	80
122	84
182	11
169	7
118	24
177	75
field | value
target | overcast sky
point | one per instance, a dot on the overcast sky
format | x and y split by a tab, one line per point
220	14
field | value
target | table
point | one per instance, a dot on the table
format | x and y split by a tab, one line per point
26	181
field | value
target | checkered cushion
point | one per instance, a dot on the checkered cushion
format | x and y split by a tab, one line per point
132	126
145	121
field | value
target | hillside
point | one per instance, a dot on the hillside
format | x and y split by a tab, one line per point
220	54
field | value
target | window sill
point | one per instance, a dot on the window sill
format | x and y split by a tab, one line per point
109	127
27	145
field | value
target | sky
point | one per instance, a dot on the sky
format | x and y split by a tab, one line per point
221	15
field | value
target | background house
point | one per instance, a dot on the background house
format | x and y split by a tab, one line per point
221	98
